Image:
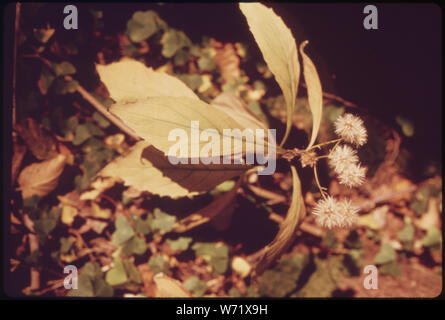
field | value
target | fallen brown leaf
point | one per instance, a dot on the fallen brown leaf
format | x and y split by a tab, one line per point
42	177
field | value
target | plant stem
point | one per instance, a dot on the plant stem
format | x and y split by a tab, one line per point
325	143
99	107
318	182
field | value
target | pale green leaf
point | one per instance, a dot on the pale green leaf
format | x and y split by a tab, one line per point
147	169
154	119
116	275
180	244
279	50
314	92
130	80
124	231
195	285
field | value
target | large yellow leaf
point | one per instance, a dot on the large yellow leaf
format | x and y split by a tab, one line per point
279	50
148	169
314	92
288	228
130	80
155	118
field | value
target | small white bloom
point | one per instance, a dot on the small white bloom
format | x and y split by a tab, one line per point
342	157
327	213
352	176
348	212
351	129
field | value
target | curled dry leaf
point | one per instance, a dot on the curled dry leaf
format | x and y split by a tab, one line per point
41	178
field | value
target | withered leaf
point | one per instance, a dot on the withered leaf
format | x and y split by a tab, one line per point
42	177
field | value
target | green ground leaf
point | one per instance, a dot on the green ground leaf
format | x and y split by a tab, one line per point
196	286
142	25
65	86
136	245
64	68
142	226
406	237
101	120
180	244
132	272
432	239
158	264
172	41
84	287
392	268
81	134
162	221
385	255
123	232
216	254
116	275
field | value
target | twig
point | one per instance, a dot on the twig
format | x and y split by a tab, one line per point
99	107
88	97
369	204
14	70
263	193
336	98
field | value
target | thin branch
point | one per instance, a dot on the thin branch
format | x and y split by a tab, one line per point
331	96
93	101
99	107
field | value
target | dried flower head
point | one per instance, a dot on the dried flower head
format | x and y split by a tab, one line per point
351	129
348	213
352	176
331	213
342	158
308	158
327	212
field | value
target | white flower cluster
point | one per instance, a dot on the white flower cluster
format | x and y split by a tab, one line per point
351	129
329	212
344	159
